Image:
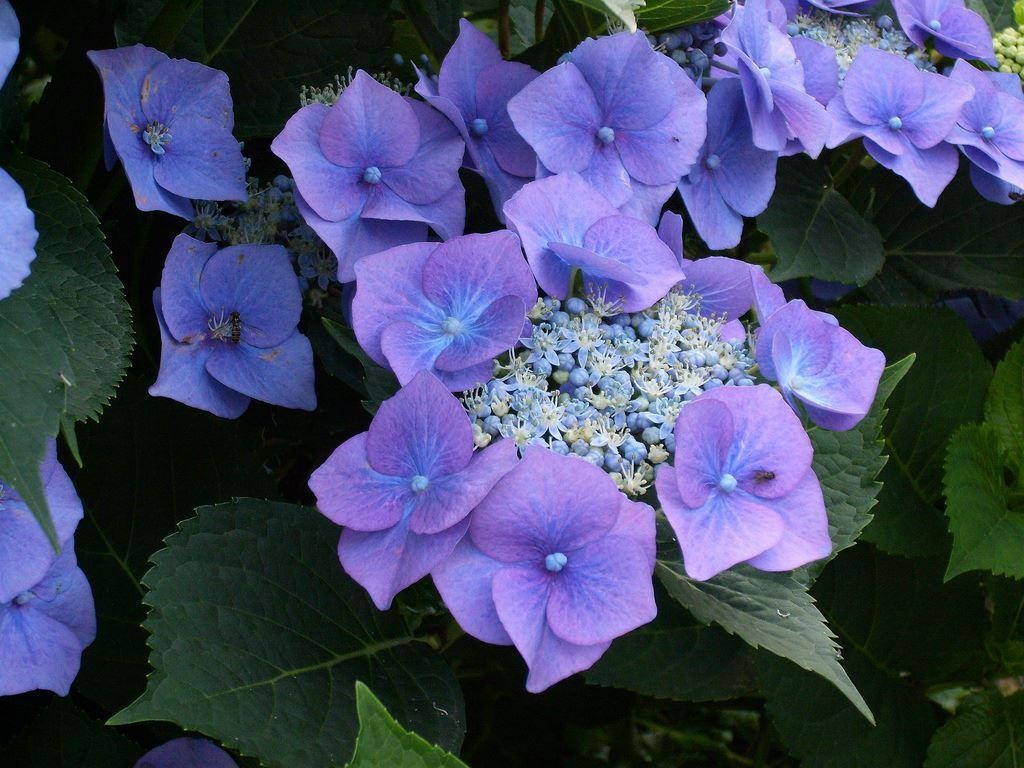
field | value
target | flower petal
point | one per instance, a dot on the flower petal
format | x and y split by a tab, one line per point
281	375
464	581
806	536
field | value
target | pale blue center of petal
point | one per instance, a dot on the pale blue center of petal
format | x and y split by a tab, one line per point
157	135
372	175
988	131
713	161
766	71
419	483
555	562
727	483
895	123
478	126
605	134
23	598
452	326
935	24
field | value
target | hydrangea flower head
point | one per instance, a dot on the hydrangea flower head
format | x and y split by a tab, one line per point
956	31
732	177
25	553
772	78
45	628
557	562
472	90
819	364
567	226
623	116
404	489
169	122
449	308
228	328
904	115
743	491
187	752
374	156
10	34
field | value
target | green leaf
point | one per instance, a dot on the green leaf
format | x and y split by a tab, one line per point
570	23
987	732
380	383
621	11
65	334
268	52
814	230
62	736
1004	408
435	21
1005	639
258	638
944	390
985	515
964	241
660	15
768	610
1000	13
383	742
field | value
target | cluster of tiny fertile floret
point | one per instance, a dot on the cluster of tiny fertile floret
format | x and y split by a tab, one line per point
328	94
1009	48
270	216
692	47
847	34
607	386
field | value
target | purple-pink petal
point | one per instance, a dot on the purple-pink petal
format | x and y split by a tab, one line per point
464	581
806	537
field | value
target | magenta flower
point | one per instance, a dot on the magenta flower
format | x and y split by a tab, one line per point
819	364
374	156
557	562
404	489
741	488
904	115
627	119
169	122
472	90
228	329
187	752
956	31
448	308
566	225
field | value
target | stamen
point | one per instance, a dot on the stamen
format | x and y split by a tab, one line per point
372	175
478	126
419	483
555	562
727	483
156	136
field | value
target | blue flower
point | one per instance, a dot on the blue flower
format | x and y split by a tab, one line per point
956	31
187	752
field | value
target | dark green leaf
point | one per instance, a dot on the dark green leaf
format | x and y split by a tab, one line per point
1004	408
570	24
1005	639
616	10
65	334
987	732
269	52
814	230
661	15
945	389
380	383
1000	13
436	22
258	639
383	742
62	736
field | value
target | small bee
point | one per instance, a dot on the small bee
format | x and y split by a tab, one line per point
763	476
236	327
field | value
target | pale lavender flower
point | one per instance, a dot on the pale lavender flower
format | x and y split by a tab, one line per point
956	31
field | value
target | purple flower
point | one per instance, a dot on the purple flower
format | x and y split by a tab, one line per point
404	489
557	562
624	117
819	364
741	488
772	77
45	628
473	90
10	33
990	129
18	236
374	156
904	115
732	178
449	308
957	32
187	753
170	122
228	329
566	225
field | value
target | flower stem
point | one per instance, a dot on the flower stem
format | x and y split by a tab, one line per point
538	21
724	67
504	32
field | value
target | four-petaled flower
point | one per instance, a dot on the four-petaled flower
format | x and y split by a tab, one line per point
819	364
170	121
956	31
741	488
566	225
623	116
228	327
373	170
557	562
187	752
904	115
449	308
472	90
404	489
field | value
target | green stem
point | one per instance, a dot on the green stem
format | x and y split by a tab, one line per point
504	30
538	21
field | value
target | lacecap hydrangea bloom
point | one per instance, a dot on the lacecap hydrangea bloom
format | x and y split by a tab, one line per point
955	31
556	562
624	117
169	122
228	328
373	170
405	488
186	752
472	90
